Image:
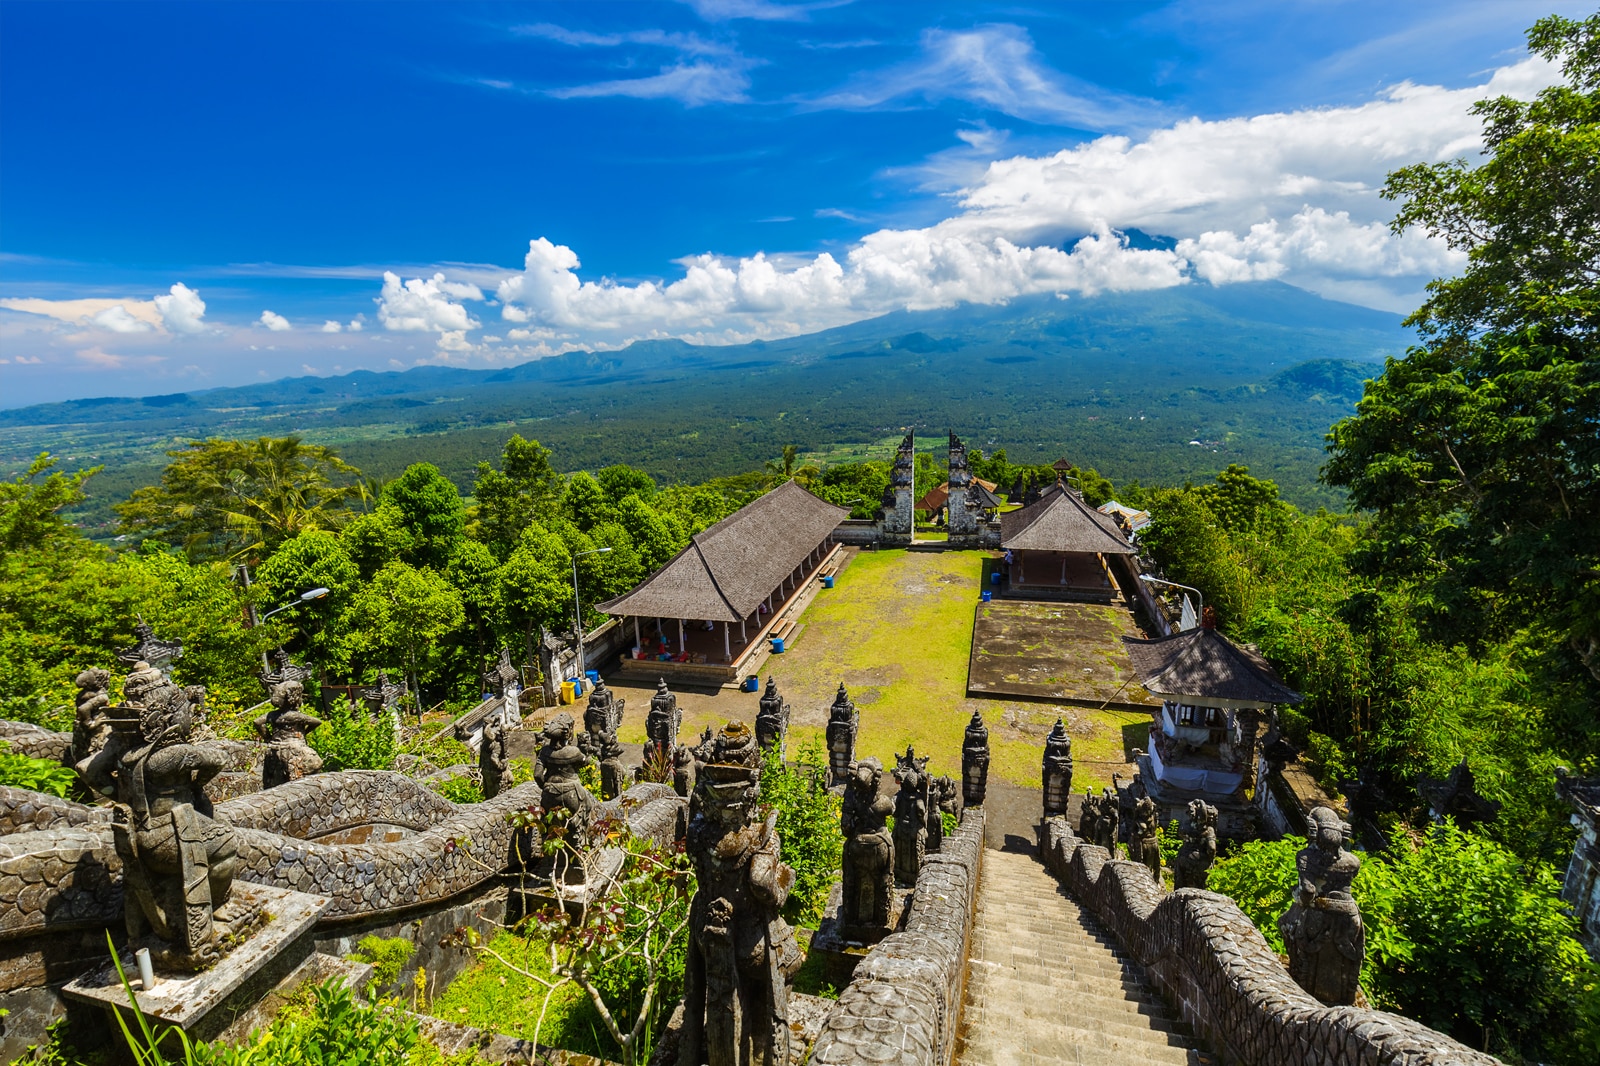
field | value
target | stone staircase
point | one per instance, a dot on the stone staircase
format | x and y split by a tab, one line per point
1045	985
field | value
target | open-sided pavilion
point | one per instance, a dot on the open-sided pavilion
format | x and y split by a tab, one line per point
707	615
1058	546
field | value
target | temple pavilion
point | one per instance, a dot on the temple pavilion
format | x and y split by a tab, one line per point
1203	737
1060	547
709	614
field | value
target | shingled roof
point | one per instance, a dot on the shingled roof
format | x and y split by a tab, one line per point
1059	521
730	567
1205	664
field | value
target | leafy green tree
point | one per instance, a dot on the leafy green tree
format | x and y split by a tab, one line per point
618	570
619	481
30	509
788	467
377	538
315	559
399	619
524	490
586	502
472	573
808	825
653	535
533	589
428	507
226	498
1479	452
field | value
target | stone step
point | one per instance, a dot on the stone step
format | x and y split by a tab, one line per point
1077	1046
1051	948
1043	972
1080	1013
1125	997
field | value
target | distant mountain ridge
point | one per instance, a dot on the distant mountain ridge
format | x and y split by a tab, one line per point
1201	318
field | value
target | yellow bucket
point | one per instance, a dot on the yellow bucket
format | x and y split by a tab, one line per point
569	692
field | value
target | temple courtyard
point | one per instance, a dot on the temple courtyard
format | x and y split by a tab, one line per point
897	628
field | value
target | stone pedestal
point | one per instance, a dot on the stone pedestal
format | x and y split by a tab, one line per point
206	1003
842	947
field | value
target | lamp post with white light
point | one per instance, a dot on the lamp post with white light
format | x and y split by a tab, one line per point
305	597
578	607
1200	600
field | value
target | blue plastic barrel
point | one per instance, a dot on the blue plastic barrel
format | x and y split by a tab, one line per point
751	683
994	577
987	596
593	676
827	581
777	645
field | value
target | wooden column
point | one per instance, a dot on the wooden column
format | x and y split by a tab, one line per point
744	637
636	641
727	647
682	646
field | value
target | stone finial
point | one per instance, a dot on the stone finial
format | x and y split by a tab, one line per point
1322	928
661	724
843	723
1057	770
975	762
772	720
151	650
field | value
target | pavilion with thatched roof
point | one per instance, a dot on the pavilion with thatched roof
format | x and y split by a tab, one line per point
711	609
1058	546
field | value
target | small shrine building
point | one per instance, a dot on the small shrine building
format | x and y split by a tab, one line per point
707	616
1203	737
1060	547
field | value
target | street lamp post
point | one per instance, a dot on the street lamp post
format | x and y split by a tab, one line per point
304	597
583	664
1200	598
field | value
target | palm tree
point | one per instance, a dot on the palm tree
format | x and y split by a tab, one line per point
784	469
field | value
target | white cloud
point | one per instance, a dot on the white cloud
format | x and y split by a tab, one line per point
182	309
275	322
1289	196
331	326
763	10
691	84
117	319
428	306
995	67
357	324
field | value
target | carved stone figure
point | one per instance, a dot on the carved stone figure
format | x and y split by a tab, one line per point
741	951
613	775
1276	750
1322	928
151	651
1057	770
868	881
842	725
289	757
1127	798
383	700
1105	826
91	726
1088	816
284	668
1199	848
683	772
772	721
975	762
910	816
1144	836
944	796
661	725
493	759
557	774
603	714
177	858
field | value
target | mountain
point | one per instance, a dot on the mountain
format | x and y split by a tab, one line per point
1123	382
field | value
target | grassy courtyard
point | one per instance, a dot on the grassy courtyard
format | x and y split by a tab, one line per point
897	630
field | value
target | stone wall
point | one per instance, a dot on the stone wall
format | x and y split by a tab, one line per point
1214	966
23	738
904	1003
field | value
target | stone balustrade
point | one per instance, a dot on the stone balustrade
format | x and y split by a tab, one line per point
904	1003
1215	967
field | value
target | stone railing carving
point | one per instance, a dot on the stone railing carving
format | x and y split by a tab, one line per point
1214	966
61	871
912	981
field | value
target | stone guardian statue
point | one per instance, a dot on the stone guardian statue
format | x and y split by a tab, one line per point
975	762
1057	770
741	951
1144	836
1199	848
841	736
1322	928
868	881
178	859
557	775
493	759
285	728
910	816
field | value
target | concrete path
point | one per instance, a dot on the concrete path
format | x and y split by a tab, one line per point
1045	985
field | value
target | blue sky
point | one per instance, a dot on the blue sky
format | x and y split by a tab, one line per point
205	194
